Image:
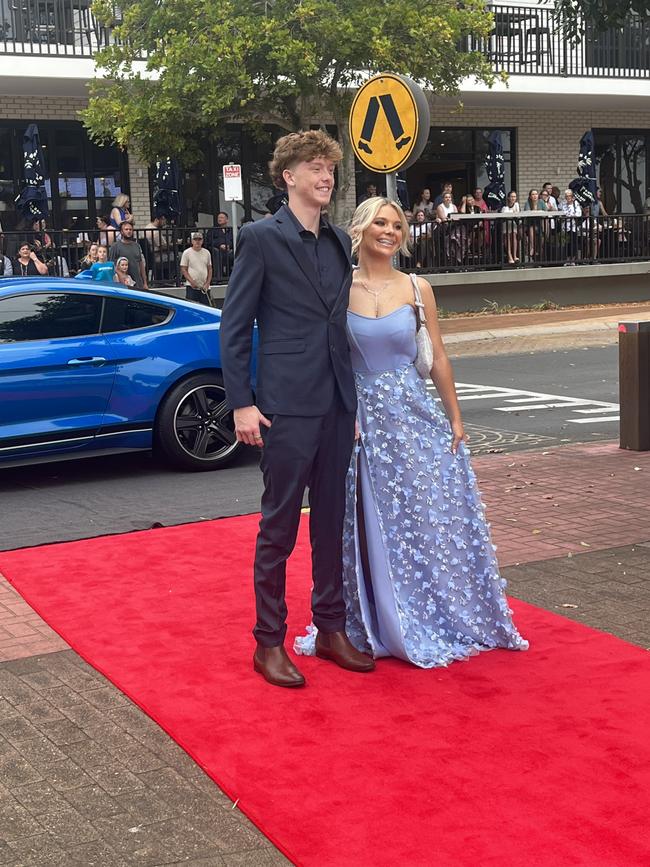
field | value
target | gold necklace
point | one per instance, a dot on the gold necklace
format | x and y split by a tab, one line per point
374	292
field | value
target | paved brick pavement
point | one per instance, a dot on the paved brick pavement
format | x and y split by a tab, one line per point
607	589
568	499
87	779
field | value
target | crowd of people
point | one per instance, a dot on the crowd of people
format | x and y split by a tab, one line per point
116	252
444	235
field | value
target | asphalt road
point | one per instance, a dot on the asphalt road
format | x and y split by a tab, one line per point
509	403
565	395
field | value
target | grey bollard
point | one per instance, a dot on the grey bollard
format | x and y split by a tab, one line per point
634	385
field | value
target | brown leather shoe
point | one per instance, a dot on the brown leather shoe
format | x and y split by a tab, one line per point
336	647
275	666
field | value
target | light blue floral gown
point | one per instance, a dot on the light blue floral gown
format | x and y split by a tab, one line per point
421	579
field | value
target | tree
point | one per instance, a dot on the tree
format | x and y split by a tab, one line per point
602	13
286	62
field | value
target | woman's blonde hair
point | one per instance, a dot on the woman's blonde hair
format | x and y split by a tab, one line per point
120	200
367	212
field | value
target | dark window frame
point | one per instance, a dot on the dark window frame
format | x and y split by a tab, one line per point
461	156
47	130
619	133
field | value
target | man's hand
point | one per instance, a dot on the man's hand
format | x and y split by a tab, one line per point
247	425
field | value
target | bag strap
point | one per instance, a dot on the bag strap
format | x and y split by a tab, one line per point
419	304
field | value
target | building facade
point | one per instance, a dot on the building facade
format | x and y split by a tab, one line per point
555	92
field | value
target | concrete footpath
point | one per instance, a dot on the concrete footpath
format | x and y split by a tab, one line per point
491	334
87	779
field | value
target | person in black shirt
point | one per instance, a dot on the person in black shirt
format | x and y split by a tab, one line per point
27	263
220	241
292	276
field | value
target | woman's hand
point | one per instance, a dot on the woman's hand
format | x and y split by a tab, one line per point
459	436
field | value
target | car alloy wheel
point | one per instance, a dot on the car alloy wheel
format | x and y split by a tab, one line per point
203	424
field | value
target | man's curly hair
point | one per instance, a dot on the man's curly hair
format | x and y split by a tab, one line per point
300	147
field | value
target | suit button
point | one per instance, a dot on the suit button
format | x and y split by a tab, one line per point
333	348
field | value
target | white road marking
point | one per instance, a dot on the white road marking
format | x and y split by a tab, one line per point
592	420
519	400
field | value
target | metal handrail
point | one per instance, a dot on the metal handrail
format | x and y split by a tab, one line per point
60	28
525	39
530	40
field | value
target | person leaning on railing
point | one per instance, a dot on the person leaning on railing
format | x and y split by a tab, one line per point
571	209
512	228
535	229
420	234
90	258
472	233
451	236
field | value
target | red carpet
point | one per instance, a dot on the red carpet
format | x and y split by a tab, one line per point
511	759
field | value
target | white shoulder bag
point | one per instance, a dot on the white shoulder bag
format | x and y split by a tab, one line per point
424	358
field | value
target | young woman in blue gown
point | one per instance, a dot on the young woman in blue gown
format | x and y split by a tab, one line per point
420	572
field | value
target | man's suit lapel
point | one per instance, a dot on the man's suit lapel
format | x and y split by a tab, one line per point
294	242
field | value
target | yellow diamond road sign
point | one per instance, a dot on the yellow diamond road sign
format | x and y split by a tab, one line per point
389	123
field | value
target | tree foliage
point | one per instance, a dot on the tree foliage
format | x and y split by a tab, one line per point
602	13
286	62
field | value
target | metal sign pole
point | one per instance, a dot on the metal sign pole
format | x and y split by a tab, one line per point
233	217
391	186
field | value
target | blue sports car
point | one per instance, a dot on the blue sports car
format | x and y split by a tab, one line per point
87	368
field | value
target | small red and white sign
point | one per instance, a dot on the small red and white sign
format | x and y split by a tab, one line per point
232	185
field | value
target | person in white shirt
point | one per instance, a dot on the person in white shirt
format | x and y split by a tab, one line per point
512	228
551	202
196	268
570	208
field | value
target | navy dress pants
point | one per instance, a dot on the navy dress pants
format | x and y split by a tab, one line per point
301	452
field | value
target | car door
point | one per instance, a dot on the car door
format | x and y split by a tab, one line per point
56	371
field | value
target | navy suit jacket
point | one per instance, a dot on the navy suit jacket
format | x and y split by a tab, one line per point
303	346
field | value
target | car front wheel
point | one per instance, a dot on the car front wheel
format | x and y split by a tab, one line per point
194	428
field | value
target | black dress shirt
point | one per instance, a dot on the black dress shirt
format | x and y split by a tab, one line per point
326	256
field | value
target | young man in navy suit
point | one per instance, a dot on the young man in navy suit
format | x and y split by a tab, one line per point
292	274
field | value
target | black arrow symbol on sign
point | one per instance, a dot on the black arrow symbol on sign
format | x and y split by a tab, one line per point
395	124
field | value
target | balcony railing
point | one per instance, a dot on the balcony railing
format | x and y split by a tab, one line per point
531	239
463	243
64	28
525	40
528	40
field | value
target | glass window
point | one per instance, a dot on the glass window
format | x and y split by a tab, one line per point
47	316
107	176
607	171
71	176
482	149
121	314
7	187
260	151
443	142
622	169
632	173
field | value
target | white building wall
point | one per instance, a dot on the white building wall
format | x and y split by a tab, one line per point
547	140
